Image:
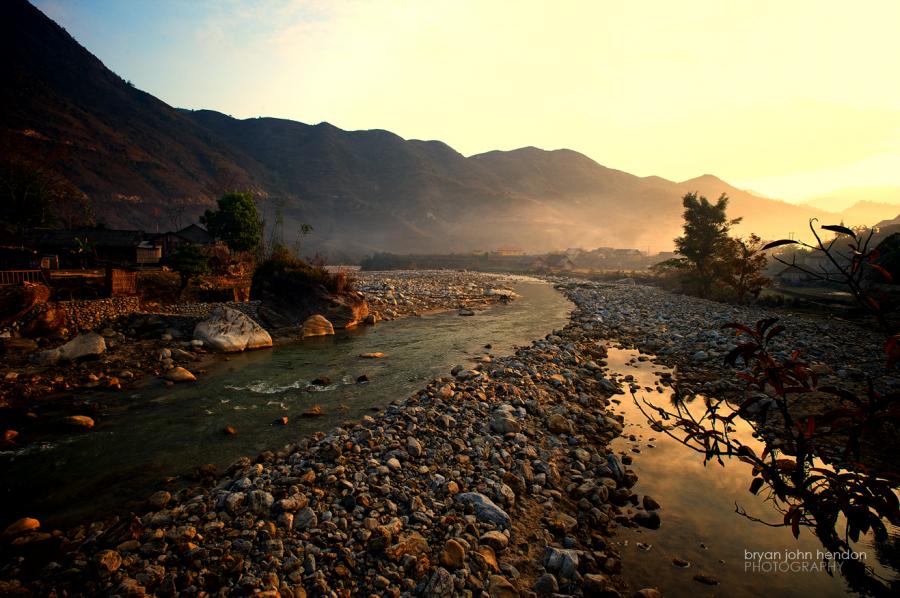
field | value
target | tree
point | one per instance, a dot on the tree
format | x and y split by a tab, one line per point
236	222
705	238
189	262
743	267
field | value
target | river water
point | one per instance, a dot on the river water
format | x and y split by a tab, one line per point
148	435
699	522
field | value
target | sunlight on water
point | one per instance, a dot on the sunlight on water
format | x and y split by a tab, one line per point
700	524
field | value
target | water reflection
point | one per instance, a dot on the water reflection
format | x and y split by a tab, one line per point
699	522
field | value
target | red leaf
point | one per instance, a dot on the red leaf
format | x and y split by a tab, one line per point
884	273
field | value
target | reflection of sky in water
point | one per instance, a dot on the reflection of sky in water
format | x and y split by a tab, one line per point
698	508
142	438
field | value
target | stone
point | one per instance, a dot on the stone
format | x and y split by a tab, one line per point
648	593
504	423
316	325
159	500
374	355
108	561
229	331
485	509
559	424
22	526
546	585
706	579
561	561
648	519
453	555
496	540
79	421
305	519
466	312
500	587
595	584
82	346
440	585
650	503
179	374
486	559
413	447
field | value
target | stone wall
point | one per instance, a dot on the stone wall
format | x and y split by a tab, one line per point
201	310
89	314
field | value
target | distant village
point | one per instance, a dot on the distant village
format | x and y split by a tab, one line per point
114	256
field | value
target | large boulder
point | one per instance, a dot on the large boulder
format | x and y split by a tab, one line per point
17	301
83	346
228	330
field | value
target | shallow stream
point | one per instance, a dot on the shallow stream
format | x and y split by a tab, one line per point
145	436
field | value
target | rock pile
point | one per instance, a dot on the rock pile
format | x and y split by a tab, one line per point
403	293
497	480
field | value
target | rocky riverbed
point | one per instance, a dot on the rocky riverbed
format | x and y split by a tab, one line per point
412	292
147	345
495	479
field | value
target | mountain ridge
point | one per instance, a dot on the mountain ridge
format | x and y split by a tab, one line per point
144	163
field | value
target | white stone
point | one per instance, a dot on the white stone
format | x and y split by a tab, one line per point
229	331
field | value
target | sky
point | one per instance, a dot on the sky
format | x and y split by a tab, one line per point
790	99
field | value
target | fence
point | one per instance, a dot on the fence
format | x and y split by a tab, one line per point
11	277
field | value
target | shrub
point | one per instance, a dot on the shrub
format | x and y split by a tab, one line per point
283	272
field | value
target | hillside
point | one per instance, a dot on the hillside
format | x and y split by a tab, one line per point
143	163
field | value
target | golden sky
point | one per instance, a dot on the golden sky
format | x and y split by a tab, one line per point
790	98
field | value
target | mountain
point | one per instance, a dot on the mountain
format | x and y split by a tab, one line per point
148	165
841	200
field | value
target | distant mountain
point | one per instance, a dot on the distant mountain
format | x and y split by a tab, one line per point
841	200
148	165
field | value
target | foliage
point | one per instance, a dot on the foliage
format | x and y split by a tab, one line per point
284	272
804	488
743	266
705	240
236	222
190	262
851	267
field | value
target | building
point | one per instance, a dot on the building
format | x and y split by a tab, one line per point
507	251
172	241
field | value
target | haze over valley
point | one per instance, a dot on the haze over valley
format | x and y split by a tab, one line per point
147	165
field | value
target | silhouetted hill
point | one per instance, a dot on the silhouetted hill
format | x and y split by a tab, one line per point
144	162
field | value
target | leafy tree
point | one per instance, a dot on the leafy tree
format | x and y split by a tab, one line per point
236	222
744	265
189	262
705	238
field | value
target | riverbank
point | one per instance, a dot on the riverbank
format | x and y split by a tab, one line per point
496	478
141	348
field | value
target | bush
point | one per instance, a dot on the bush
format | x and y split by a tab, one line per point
283	272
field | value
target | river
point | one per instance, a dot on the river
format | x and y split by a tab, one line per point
146	436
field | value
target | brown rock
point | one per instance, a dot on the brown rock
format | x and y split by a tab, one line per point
558	424
500	587
79	421
453	555
314	411
230	430
22	526
486	559
375	355
316	325
108	561
179	374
